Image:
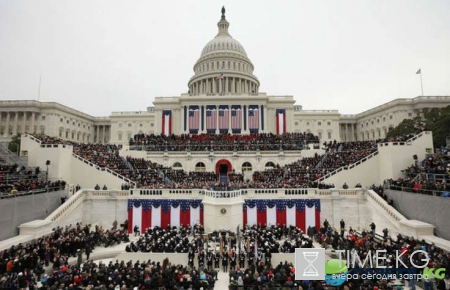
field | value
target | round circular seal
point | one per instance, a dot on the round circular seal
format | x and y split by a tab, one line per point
223	211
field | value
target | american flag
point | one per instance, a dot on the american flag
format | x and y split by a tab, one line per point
211	118
236	118
253	118
223	118
194	119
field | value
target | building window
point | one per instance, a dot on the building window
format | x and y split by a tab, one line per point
151	124
177	166
120	125
320	135
246	167
200	167
129	124
67	134
67	122
120	137
319	123
390	117
296	123
307	123
329	123
378	120
140	125
329	135
384	119
73	123
128	136
269	165
43	118
61	120
73	135
409	114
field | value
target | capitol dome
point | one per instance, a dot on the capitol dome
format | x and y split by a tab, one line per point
223	43
223	66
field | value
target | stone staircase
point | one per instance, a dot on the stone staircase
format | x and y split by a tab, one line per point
10	157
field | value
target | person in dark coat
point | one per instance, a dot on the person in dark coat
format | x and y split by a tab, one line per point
225	262
79	257
217	260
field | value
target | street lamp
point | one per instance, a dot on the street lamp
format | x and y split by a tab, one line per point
46	173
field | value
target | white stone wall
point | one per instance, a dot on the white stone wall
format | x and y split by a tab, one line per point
366	173
324	124
103	212
397	156
189	160
127	124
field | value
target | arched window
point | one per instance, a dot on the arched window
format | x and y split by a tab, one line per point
269	165
177	166
200	167
246	167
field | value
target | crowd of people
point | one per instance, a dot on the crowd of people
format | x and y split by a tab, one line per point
159	240
430	187
24	265
16	180
246	259
302	173
222	142
359	244
429	176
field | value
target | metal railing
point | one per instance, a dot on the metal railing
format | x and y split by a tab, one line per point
127	180
432	192
31	192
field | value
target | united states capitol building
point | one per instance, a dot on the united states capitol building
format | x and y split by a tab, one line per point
223	96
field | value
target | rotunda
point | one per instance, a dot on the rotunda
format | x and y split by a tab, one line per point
223	66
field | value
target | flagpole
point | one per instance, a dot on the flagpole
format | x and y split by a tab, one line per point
39	90
421	83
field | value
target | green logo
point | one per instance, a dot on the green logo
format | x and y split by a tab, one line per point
335	272
428	273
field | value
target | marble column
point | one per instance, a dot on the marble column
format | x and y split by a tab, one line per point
33	118
6	132
229	119
352	132
187	121
243	117
103	137
16	119
24	120
98	134
217	120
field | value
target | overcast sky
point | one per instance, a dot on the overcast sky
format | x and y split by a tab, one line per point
105	56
